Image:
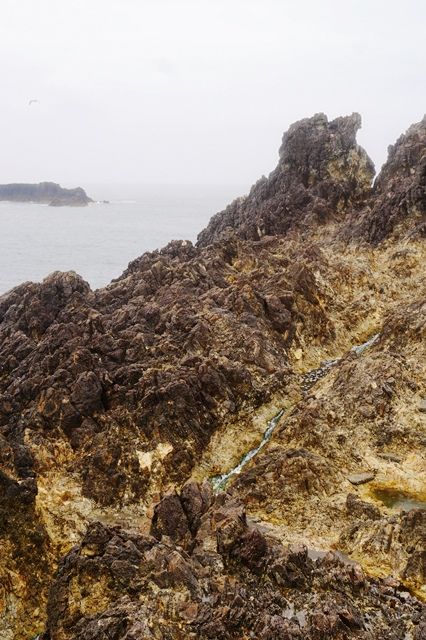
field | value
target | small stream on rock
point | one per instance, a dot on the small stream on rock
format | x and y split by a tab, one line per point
310	378
219	482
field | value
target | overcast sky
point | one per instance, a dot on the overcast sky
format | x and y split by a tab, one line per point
197	91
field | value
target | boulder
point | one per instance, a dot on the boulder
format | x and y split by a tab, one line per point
361	478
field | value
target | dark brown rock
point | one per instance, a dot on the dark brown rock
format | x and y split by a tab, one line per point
361	509
321	171
116	583
170	519
399	195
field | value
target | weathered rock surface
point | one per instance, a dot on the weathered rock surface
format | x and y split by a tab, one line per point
113	395
207	574
361	478
301	486
110	399
46	193
322	173
399	194
395	541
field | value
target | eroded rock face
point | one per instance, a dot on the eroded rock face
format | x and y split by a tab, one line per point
399	195
110	399
306	484
399	539
111	396
224	580
25	550
141	371
322	173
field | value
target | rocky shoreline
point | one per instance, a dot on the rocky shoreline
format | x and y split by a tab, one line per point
118	405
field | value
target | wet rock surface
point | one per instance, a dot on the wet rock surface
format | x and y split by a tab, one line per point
308	296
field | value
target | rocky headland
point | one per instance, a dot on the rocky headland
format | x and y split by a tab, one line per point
45	193
287	344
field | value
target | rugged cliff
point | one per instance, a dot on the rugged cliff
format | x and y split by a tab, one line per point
322	174
45	193
306	301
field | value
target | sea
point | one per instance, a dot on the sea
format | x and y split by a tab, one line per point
98	241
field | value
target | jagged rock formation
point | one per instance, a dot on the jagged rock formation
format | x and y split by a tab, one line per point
322	173
399	193
45	193
109	399
208	574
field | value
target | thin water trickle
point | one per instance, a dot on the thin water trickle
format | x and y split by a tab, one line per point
365	345
220	482
312	377
309	379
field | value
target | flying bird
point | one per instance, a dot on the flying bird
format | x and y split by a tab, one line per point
30	102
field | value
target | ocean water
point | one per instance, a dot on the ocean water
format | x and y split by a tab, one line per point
100	240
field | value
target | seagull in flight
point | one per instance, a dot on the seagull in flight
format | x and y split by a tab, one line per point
30	102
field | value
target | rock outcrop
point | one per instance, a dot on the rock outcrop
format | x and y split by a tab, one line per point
118	405
45	193
208	574
321	175
398	201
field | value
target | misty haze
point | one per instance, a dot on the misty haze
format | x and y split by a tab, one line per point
212	320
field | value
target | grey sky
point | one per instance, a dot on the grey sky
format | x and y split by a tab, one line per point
197	91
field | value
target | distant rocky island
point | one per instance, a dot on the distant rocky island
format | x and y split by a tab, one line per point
45	193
